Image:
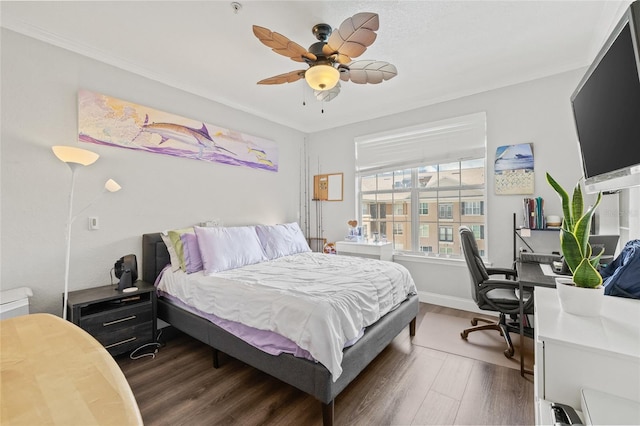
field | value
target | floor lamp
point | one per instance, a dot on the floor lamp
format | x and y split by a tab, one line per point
75	157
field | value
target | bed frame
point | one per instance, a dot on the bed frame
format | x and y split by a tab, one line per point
308	376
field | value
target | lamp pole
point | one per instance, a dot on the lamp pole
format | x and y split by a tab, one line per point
73	167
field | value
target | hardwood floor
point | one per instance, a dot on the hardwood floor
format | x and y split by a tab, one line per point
405	385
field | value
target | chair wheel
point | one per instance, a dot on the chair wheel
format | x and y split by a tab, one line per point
509	353
474	322
464	335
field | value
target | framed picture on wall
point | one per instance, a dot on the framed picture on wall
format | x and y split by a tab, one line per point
109	121
513	169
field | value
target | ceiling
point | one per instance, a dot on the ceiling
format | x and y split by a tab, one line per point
442	49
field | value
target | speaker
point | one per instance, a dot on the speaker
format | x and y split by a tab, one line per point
125	280
126	268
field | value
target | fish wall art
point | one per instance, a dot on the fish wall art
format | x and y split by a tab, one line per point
109	121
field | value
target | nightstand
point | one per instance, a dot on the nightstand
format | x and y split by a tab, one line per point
120	321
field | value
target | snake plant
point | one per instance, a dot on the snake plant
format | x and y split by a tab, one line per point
574	236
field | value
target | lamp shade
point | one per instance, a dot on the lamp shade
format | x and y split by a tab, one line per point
70	154
112	186
322	77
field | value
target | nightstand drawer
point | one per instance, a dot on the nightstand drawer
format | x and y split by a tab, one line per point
126	339
115	319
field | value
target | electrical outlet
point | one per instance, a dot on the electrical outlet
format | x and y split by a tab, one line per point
94	223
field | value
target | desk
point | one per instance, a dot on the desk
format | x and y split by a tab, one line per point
53	372
380	251
574	352
530	275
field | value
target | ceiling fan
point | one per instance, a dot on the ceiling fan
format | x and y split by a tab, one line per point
330	59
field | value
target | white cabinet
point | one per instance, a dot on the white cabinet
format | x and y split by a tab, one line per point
381	251
574	353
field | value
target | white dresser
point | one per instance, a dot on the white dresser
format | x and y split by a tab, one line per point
381	251
574	353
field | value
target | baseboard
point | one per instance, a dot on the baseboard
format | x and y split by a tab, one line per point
452	302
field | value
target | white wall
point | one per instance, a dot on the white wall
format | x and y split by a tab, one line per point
629	215
39	109
39	88
538	112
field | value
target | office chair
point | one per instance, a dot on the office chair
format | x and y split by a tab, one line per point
493	294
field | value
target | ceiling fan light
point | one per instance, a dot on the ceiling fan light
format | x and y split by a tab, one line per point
322	77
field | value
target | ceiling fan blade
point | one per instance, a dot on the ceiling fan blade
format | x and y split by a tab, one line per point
354	35
372	72
282	45
327	95
289	77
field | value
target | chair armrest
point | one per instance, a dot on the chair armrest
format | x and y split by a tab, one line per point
493	283
508	273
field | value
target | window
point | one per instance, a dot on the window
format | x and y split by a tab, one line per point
445	211
446	233
423	182
454	190
446	250
478	231
473	208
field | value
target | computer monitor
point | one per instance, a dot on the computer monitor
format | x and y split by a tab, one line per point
608	242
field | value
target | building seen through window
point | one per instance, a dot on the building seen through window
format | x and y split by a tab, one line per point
420	209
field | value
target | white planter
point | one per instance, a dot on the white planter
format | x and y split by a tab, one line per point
586	302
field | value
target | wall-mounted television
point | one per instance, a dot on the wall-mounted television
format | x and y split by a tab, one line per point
606	109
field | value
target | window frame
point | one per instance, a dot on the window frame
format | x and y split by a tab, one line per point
448	233
464	208
419	192
448	212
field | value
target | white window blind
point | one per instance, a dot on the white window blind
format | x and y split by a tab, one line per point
441	141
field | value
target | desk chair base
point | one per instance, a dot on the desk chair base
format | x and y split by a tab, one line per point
500	326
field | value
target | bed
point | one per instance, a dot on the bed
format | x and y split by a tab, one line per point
307	375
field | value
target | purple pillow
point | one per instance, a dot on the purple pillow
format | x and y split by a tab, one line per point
191	252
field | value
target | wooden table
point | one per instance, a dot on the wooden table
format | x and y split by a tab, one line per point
53	372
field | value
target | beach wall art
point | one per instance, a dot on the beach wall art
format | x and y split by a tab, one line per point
513	169
109	121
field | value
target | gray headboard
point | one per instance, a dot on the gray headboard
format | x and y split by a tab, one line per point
154	256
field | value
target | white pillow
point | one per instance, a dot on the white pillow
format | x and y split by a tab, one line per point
225	248
282	240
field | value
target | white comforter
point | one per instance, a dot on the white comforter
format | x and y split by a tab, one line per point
318	301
